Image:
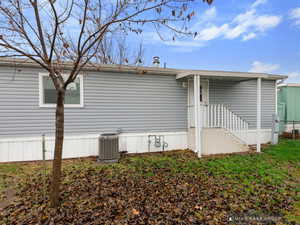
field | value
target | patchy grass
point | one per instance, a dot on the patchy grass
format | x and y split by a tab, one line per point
8	175
6	171
166	188
14	174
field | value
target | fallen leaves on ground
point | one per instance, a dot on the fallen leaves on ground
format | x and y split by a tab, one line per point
162	192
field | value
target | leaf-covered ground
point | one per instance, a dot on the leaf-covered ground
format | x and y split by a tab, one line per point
166	188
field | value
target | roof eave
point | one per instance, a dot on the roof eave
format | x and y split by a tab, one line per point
245	75
179	73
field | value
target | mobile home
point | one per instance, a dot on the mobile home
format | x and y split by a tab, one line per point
210	112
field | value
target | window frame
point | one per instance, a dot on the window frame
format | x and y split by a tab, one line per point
42	104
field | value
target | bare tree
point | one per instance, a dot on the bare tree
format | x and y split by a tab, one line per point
53	32
115	49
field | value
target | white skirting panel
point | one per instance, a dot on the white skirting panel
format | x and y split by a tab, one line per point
266	136
30	149
138	142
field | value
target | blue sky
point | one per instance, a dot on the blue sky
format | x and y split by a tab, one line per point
237	35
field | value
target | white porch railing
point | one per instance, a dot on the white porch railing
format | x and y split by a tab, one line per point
220	116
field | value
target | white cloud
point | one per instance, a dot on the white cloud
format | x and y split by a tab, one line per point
295	15
207	17
245	17
249	36
183	43
258	2
210	13
266	22
180	45
250	24
294	75
212	32
245	26
235	32
260	67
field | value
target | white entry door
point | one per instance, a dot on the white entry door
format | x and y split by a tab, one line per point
204	98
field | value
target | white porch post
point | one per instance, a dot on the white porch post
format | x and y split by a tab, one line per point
258	116
198	126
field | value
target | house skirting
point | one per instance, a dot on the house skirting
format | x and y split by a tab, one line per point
266	136
30	149
75	146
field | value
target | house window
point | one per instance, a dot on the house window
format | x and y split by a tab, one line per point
73	96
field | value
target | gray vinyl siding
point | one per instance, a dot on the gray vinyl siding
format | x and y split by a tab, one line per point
241	99
132	102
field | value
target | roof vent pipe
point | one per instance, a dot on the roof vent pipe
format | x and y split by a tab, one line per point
156	62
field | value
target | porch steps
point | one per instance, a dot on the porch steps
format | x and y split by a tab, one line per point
220	116
221	141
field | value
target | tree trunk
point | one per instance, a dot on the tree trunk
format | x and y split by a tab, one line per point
59	139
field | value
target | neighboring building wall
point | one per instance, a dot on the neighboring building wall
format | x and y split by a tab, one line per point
288	105
132	102
292	104
241	99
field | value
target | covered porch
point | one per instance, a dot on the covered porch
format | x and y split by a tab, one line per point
223	107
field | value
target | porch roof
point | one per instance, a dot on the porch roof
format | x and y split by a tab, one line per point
229	75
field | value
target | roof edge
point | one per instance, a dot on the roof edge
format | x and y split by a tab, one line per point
144	69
